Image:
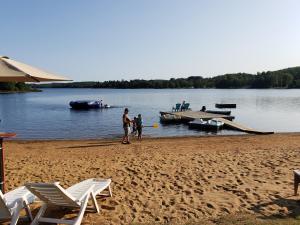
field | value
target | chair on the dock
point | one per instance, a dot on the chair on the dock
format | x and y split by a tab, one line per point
296	180
75	197
13	202
177	107
186	106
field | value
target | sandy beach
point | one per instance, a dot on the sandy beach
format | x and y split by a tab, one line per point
169	180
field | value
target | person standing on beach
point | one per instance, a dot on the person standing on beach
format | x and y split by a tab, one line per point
139	126
126	127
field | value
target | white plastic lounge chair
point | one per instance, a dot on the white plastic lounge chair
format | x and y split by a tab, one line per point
76	196
99	186
13	202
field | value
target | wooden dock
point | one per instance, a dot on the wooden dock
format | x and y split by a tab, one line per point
190	115
239	127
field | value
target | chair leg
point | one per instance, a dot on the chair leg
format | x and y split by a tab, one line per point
109	190
95	202
27	209
16	215
82	210
76	221
39	215
296	182
109	194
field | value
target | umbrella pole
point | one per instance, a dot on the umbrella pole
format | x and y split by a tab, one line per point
2	166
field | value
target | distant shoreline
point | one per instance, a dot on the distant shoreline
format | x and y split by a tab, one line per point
19	92
283	79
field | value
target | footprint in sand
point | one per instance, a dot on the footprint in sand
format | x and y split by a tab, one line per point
225	210
113	202
240	182
209	205
106	207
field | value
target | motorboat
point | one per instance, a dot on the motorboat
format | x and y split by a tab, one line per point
209	124
86	104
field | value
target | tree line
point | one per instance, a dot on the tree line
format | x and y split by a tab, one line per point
15	87
286	78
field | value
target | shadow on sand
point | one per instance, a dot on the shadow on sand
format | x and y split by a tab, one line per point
290	207
92	145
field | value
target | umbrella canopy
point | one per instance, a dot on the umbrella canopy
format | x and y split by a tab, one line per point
13	71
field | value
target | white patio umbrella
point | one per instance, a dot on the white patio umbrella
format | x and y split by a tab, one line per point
14	71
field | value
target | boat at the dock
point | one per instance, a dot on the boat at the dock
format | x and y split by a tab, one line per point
190	115
213	124
86	104
221	112
224	105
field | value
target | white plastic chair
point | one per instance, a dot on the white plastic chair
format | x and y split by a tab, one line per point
76	196
100	185
13	202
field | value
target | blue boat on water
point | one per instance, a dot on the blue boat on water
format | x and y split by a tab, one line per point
87	104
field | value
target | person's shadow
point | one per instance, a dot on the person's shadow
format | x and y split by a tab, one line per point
292	207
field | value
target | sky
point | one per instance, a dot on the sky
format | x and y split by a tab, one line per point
98	40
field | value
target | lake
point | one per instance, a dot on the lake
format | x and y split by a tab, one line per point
47	115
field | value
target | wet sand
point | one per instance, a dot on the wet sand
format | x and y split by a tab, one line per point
176	180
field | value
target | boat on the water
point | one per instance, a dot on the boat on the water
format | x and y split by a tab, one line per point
225	105
219	112
169	118
213	124
86	104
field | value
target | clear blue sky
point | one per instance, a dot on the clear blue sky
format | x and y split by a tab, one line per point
150	39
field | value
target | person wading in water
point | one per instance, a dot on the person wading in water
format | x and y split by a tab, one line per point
126	127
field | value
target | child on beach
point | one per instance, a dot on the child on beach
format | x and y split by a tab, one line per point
139	126
134	126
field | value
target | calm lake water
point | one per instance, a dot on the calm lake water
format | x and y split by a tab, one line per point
46	115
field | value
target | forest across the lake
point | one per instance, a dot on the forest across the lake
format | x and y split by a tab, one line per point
285	78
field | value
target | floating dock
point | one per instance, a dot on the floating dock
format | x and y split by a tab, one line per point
190	115
225	105
239	127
